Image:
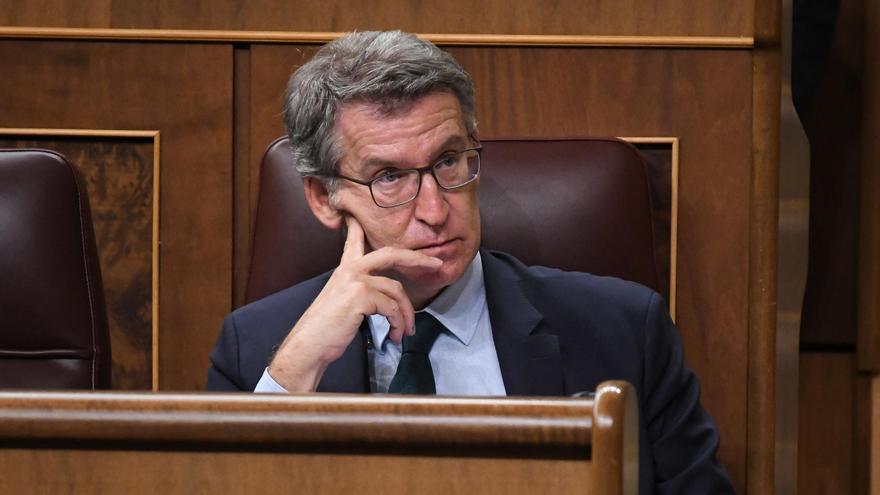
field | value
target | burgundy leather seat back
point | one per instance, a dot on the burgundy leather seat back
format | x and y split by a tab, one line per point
575	204
290	244
53	322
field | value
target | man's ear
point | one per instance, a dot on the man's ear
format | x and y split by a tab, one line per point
318	198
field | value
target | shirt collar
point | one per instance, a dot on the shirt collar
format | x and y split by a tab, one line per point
458	307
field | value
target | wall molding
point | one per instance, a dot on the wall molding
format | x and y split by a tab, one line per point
443	39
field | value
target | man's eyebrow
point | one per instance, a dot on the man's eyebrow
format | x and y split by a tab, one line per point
452	143
371	165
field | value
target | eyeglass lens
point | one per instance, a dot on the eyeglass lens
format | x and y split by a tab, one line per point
398	187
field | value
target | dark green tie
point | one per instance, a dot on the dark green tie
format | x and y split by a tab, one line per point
414	374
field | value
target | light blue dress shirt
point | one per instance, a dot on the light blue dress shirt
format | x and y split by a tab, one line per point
463	358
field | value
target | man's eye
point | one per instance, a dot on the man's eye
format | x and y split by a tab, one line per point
388	178
446	162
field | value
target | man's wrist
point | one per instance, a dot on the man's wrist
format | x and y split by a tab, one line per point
296	366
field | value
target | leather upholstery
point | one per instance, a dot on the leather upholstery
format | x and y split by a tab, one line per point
575	204
53	322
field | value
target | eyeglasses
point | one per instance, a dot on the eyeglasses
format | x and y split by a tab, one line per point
398	187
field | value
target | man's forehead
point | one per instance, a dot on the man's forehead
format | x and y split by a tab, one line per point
431	124
391	109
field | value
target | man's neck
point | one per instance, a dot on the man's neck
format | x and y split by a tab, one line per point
427	296
420	302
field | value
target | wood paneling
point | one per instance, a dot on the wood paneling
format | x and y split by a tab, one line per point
312	37
763	221
149	472
184	91
143	443
269	71
241	204
863	428
118	177
629	17
825	446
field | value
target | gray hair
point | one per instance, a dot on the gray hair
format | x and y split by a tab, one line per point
390	69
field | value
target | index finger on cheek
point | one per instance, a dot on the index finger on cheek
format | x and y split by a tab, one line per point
354	241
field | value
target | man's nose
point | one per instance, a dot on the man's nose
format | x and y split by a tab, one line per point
430	205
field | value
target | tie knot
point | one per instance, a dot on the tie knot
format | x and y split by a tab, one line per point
427	331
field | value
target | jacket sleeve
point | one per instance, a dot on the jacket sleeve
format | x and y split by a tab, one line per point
683	437
223	375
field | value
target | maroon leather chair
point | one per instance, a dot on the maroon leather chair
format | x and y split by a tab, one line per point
53	322
575	204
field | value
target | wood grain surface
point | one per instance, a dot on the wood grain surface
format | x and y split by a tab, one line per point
763	221
615	401
628	17
827	416
328	443
321	421
187	472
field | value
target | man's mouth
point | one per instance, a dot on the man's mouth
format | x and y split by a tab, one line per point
438	249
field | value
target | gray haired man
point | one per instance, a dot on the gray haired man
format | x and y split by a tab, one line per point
383	132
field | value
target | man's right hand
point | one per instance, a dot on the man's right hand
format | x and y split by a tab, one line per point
355	290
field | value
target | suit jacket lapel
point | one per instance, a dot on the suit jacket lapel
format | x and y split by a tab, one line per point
530	359
349	373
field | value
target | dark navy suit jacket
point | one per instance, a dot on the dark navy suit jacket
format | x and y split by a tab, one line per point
556	333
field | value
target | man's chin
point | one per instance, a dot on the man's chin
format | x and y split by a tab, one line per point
428	283
425	277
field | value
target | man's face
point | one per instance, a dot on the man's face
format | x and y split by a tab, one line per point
443	224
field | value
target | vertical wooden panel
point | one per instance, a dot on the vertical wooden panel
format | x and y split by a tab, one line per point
271	67
184	91
863	443
763	250
827	393
241	247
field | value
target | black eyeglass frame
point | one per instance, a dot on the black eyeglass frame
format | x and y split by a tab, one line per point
422	171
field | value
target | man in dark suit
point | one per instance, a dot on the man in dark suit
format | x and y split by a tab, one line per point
383	131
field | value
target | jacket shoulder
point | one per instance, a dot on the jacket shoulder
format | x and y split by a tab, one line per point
560	285
286	304
251	333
